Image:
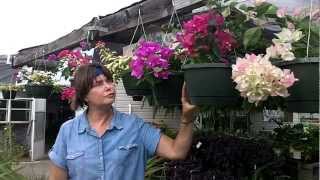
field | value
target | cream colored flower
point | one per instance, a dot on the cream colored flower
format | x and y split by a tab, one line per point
257	78
288	36
288	56
258	2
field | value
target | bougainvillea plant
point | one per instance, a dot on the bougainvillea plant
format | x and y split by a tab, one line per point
257	78
151	60
205	39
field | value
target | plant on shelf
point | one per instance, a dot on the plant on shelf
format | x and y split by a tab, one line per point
11	87
37	83
37	77
9	90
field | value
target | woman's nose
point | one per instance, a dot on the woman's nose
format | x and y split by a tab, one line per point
108	85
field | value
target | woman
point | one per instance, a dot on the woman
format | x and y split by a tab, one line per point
103	143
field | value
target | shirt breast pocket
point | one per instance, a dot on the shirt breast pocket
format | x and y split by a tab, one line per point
75	162
126	152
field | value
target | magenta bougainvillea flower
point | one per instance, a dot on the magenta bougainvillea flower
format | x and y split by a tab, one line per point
68	93
52	57
204	36
151	58
69	61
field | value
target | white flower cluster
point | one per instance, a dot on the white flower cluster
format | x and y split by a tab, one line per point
282	45
257	78
29	76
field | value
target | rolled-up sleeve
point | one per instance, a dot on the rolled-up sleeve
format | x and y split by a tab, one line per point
58	152
150	137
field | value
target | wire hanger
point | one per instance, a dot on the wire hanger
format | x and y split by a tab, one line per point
139	22
309	28
173	14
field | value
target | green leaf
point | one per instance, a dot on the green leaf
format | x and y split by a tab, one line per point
272	10
264	8
243	7
252	36
226	12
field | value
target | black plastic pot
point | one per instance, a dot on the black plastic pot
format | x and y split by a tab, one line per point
132	87
168	92
304	94
38	91
211	84
6	94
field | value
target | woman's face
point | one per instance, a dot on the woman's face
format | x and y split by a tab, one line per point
102	92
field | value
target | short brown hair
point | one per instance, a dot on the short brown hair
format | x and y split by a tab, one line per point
83	82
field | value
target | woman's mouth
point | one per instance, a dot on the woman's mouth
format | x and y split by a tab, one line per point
111	95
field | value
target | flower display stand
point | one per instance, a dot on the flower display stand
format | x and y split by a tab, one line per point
38	91
304	94
211	84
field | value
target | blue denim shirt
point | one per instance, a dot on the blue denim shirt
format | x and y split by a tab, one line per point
120	154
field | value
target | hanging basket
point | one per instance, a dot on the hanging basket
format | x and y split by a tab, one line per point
132	87
38	91
168	92
211	84
6	94
304	94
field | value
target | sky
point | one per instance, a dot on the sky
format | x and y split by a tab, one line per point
28	23
34	22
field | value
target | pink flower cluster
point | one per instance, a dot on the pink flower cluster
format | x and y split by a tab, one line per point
68	93
100	44
257	78
74	59
152	58
203	33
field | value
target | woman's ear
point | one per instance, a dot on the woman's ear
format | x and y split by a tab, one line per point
85	99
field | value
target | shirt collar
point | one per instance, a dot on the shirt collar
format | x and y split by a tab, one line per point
83	123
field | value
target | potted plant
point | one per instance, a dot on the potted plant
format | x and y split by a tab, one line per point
294	46
299	142
153	71
300	42
208	46
69	61
9	90
158	65
119	66
258	79
38	84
